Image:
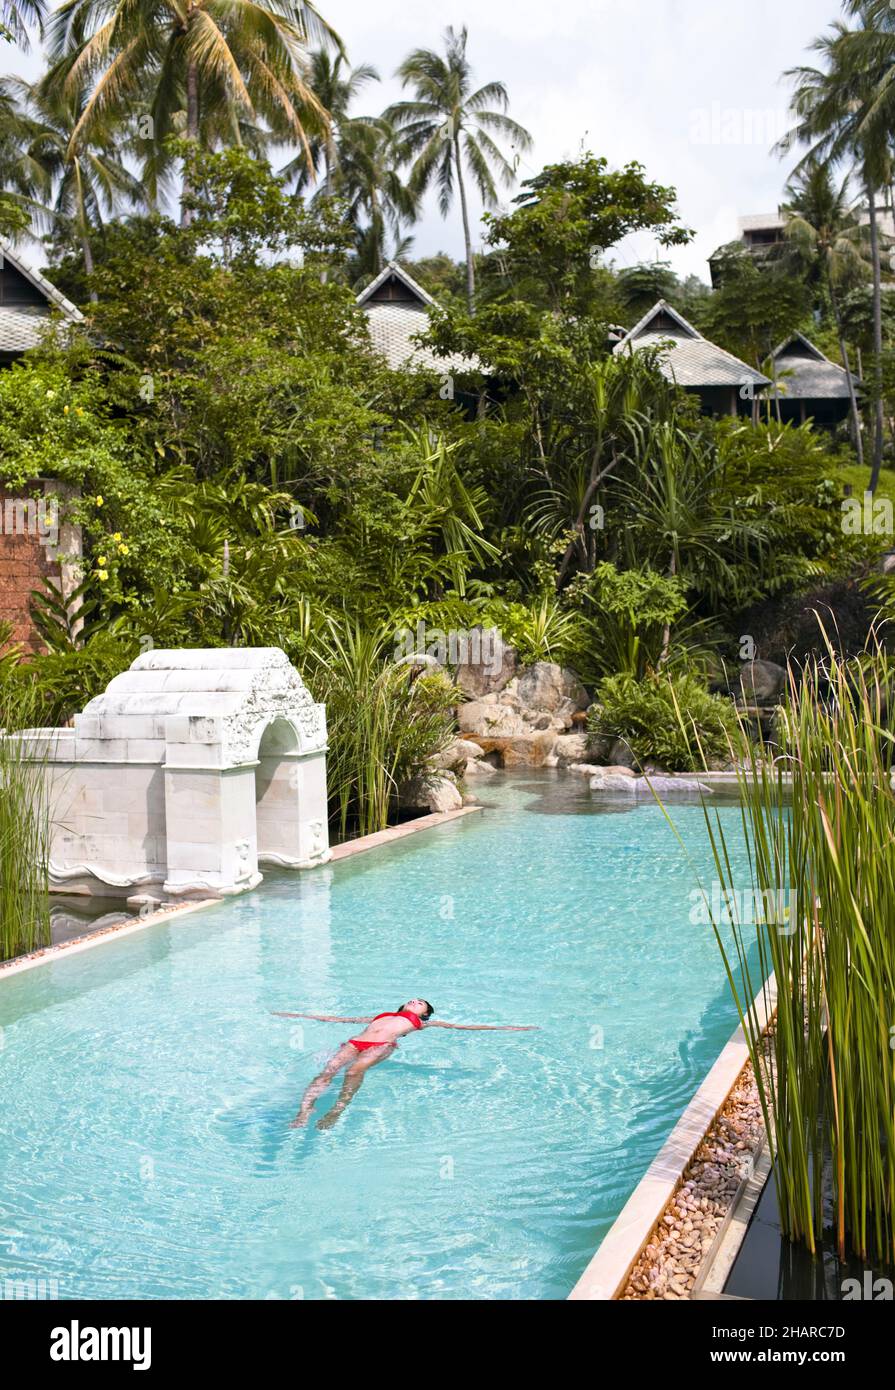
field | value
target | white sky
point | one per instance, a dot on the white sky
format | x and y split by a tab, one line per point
690	88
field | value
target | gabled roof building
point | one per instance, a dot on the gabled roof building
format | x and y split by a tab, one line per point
26	301
807	384
397	309
724	384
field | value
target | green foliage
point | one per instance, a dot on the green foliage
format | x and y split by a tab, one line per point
670	719
383	721
755	306
566	217
542	630
627	612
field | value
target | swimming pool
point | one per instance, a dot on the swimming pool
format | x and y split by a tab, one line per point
147	1088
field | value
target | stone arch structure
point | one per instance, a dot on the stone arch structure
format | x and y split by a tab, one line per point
191	770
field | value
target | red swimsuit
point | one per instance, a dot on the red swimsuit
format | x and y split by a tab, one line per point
361	1043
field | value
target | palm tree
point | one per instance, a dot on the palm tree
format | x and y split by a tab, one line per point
335	92
378	201
189	63
822	225
69	183
839	111
448	126
16	15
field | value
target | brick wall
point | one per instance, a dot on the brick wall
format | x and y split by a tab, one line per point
25	560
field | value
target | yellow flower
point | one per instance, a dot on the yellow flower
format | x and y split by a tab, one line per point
123	550
65	410
101	560
80	411
117	536
102	574
98	501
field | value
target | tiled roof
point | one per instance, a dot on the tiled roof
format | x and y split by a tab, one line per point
393	270
806	373
21	327
394	324
762	221
392	329
49	291
687	358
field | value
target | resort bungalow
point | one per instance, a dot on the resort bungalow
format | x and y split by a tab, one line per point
724	384
26	301
397	309
807	385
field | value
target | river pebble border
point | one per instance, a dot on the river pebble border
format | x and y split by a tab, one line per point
673	1257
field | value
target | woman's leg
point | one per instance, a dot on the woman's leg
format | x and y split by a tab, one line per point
353	1080
338	1060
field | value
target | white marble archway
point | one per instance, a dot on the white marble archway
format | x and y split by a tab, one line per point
192	768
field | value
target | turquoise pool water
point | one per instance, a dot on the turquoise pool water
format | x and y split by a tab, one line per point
147	1088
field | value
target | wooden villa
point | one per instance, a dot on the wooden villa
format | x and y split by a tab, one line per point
724	384
807	385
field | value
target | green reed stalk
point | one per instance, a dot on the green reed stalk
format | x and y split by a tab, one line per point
24	837
828	843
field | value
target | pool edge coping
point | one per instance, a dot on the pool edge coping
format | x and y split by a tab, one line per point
609	1268
47	954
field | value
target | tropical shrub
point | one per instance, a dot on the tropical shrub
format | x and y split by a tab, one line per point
671	719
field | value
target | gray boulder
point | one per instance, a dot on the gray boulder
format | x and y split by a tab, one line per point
487	720
760	683
620	754
479	769
489	665
547	686
570	748
430	793
455	757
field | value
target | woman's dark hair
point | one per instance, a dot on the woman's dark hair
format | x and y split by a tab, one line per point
427	1004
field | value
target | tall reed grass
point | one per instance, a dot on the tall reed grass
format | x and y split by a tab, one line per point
24	833
384	721
825	845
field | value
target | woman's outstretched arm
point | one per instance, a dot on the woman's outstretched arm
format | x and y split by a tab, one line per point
485	1027
325	1018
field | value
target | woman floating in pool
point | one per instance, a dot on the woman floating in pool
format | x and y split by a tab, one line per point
373	1045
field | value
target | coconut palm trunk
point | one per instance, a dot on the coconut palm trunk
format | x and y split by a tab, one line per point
878	420
467	238
192	133
843	352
